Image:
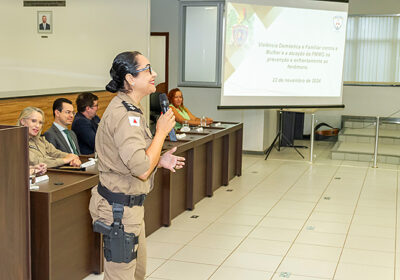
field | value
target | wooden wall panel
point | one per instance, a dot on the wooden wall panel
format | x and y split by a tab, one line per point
10	108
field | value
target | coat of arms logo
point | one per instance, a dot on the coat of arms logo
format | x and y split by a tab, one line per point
337	22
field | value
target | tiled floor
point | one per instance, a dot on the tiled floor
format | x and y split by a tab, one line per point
287	219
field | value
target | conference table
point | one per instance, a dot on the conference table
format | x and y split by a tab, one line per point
63	242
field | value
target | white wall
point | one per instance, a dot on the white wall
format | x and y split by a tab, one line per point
86	37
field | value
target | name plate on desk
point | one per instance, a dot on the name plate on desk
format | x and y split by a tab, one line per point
88	163
180	136
41	178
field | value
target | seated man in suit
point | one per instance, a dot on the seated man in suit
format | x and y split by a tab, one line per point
86	122
58	134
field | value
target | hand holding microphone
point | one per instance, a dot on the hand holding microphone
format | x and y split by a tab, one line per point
166	122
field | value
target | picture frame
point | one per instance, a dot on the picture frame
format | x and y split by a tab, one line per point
45	22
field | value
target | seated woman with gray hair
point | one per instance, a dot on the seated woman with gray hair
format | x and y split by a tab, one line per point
40	150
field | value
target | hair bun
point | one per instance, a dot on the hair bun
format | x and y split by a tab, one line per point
112	86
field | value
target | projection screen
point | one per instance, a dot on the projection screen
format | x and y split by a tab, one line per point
283	52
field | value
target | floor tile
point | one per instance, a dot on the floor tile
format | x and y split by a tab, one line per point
307	267
190	225
172	236
334	208
330	217
295	224
161	250
277	234
329	227
368	220
321	238
240	219
365	272
201	255
234	273
290	276
370	243
153	264
228	229
253	261
216	241
262	246
365	257
289	213
315	252
178	270
372	231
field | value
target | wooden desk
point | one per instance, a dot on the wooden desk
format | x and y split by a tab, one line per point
213	157
63	242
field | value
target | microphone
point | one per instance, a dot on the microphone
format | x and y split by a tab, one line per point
164	104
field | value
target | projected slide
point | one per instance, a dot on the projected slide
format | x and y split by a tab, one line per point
273	51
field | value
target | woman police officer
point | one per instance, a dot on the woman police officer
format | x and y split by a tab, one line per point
128	157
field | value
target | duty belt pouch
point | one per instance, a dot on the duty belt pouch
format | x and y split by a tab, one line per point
119	246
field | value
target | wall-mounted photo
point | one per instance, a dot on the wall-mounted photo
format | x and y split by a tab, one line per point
45	22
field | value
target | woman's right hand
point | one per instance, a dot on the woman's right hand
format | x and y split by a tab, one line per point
40	169
165	122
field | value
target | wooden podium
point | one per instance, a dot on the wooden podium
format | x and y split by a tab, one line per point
14	204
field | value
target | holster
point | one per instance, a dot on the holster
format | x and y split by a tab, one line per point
119	246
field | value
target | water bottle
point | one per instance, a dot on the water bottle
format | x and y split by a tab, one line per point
203	121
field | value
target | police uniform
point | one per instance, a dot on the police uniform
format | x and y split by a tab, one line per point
121	142
42	151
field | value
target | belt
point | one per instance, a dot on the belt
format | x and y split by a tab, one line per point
121	198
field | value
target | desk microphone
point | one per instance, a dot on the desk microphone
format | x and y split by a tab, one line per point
164	104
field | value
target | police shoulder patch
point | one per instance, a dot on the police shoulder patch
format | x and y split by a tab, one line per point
134	121
131	107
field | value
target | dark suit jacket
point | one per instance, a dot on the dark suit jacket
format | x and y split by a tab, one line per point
85	130
47	26
55	137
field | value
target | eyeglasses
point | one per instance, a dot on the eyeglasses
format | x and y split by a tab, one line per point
68	112
148	67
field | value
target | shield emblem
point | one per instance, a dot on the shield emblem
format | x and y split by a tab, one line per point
239	34
337	22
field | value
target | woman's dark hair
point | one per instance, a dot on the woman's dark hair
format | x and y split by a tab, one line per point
171	95
124	63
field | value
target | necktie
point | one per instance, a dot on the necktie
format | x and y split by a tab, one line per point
71	142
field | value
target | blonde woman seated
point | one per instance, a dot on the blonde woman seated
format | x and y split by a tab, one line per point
40	150
182	114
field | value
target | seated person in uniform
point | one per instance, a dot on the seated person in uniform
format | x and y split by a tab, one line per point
182	114
86	121
58	134
40	150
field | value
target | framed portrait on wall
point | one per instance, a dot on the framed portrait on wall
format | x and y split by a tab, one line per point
45	22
